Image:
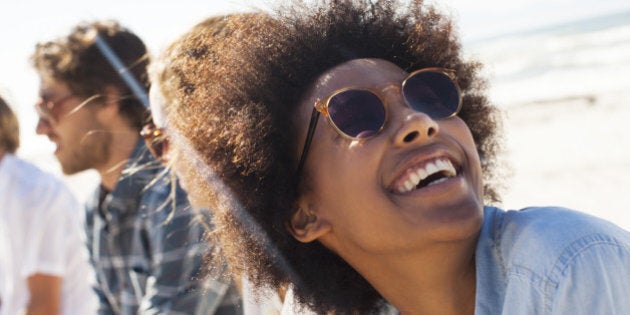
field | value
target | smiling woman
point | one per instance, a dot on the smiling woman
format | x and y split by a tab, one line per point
387	199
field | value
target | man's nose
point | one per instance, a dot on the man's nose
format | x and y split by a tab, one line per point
43	126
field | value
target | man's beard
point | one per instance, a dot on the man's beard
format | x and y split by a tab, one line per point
92	152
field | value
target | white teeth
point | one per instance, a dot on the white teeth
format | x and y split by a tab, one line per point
414	177
441	164
409	185
422	173
432	168
450	169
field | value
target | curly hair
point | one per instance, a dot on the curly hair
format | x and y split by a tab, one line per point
9	128
233	97
77	61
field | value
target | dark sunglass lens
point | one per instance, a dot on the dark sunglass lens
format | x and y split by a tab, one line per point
357	113
433	93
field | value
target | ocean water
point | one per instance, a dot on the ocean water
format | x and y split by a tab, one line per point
581	59
566	94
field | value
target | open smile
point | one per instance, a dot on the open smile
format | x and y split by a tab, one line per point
427	173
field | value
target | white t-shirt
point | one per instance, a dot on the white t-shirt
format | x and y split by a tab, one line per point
41	232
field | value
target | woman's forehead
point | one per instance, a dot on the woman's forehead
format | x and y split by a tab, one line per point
366	72
361	72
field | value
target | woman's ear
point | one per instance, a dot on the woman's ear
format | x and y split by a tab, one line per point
306	225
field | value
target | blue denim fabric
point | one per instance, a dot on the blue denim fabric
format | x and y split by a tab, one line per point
551	261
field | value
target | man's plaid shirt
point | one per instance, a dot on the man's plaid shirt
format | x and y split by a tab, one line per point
147	247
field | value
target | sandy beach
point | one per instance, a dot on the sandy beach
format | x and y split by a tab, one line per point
572	152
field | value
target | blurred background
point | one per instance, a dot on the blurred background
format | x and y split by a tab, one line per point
558	68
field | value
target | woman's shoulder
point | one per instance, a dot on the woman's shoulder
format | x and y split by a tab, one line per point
553	225
557	258
544	238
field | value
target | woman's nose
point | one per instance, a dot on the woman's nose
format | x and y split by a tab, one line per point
413	126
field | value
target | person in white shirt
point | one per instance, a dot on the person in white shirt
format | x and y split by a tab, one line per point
44	267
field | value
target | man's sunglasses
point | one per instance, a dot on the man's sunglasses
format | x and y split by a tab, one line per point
360	113
51	111
156	140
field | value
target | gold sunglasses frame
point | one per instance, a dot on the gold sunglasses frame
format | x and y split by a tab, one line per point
321	107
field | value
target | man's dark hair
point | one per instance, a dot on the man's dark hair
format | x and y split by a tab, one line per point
77	61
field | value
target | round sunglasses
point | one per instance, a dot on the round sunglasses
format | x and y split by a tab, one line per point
360	113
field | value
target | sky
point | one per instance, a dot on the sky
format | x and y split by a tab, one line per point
24	23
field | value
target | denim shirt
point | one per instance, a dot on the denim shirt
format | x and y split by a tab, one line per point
551	261
147	247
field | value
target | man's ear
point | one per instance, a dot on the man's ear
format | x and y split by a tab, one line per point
306	225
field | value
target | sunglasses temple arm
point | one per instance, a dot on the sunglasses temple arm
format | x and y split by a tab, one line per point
309	138
122	70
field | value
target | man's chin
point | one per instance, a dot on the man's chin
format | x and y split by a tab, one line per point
66	171
71	169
